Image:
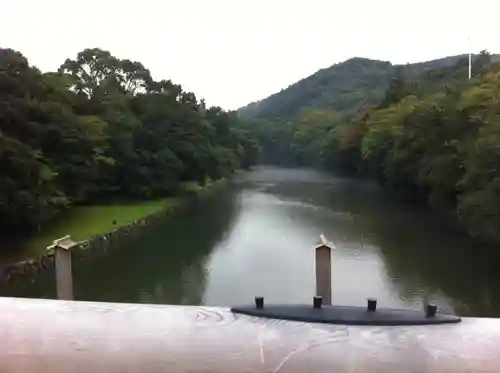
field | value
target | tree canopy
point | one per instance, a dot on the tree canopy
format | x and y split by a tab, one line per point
434	135
102	127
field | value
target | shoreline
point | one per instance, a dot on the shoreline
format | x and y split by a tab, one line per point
38	261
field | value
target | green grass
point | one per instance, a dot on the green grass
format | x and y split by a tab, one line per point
86	221
188	187
83	222
193	187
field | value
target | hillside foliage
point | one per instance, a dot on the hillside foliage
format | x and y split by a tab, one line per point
350	86
434	136
101	127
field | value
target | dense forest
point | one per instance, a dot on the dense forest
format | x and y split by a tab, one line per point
346	87
101	127
433	135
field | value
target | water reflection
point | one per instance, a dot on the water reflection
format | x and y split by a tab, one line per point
402	254
258	237
422	262
168	265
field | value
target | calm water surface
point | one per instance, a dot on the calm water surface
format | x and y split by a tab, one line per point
257	238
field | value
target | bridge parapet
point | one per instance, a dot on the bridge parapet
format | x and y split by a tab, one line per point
55	336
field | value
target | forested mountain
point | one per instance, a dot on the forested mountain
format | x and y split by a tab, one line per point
101	127
345	87
435	136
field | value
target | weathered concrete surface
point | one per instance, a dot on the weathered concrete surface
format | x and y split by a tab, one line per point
47	336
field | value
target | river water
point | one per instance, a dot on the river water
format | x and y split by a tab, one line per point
258	238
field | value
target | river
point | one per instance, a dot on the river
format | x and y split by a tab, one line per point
257	238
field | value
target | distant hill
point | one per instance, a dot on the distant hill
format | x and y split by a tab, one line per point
344	87
419	67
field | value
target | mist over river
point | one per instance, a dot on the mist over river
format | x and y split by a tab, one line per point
257	238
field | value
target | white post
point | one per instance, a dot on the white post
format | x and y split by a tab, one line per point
470	65
62	262
470	56
323	254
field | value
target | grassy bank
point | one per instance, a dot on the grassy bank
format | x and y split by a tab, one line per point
83	222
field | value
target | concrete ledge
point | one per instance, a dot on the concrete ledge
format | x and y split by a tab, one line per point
49	336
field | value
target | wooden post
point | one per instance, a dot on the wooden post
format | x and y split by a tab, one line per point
324	271
62	261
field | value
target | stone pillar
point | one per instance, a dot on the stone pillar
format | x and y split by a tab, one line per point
62	262
324	273
64	277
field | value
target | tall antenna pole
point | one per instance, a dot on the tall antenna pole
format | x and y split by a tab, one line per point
470	65
470	57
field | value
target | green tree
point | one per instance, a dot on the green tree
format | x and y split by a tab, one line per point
101	127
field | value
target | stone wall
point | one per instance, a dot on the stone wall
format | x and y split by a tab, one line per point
108	241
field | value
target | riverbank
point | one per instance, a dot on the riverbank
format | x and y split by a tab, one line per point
100	227
83	222
257	237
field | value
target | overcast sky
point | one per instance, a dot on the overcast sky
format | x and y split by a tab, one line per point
231	52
